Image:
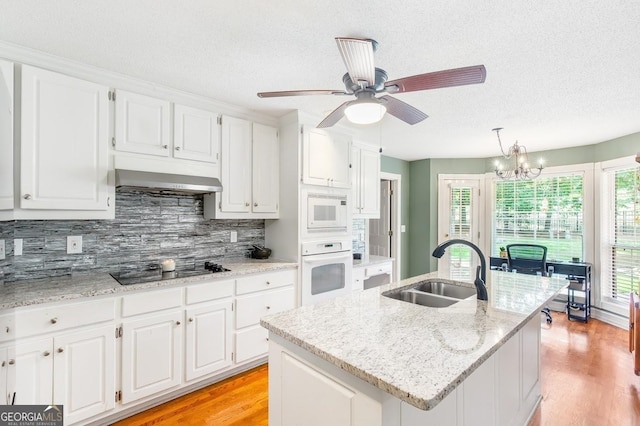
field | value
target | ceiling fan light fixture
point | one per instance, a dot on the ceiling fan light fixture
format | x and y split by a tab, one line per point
365	112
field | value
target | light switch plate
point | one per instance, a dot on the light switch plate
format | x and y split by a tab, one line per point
2	250
234	236
17	247
74	244
403	228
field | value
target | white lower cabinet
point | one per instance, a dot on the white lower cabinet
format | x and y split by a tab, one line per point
151	354
30	372
84	370
208	339
260	295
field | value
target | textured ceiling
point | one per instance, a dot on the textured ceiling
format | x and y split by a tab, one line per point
559	74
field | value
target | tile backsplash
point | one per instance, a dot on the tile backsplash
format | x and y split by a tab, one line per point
148	227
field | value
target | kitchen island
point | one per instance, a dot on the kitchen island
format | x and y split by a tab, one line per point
367	359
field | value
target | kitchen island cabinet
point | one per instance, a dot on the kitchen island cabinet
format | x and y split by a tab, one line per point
381	361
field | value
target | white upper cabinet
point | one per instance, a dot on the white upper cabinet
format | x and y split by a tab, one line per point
236	165
142	124
64	142
196	134
265	187
6	135
249	172
366	181
326	158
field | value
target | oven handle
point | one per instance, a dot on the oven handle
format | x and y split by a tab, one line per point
345	256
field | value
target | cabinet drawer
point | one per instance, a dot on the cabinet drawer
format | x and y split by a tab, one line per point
49	319
151	301
265	281
249	309
382	268
211	290
251	343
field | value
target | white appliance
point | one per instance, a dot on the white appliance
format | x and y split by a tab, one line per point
326	270
325	213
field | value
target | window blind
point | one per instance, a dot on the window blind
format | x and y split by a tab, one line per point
621	242
546	211
460	216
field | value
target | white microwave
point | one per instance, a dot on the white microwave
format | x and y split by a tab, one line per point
326	212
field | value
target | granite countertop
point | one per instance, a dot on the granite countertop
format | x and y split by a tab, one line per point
415	353
25	293
371	260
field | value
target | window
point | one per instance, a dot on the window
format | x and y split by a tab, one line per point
547	211
620	242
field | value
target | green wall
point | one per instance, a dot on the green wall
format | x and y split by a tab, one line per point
420	206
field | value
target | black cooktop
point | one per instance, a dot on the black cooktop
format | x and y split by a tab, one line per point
150	275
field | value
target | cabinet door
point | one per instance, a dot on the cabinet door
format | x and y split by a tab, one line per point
142	124
369	183
340	166
236	165
208	339
4	396
317	154
151	355
356	184
196	134
30	373
84	372
266	179
6	135
64	142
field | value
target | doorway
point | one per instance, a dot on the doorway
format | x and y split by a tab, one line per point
384	234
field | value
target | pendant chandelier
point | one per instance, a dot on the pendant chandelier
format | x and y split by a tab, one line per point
521	169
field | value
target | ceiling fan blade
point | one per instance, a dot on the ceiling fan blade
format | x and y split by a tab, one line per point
435	80
402	110
357	55
300	93
335	116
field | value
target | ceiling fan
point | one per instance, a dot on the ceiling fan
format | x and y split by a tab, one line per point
365	81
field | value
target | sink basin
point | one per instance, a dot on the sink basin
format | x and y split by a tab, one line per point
421	298
435	294
446	289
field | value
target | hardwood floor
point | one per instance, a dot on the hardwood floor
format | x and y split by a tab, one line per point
587	379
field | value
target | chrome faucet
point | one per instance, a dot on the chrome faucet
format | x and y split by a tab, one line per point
481	271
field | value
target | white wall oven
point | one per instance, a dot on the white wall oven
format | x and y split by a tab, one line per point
326	270
325	213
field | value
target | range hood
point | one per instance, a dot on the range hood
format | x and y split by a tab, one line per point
167	181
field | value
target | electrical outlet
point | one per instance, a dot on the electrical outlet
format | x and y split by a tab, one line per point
403	228
2	250
17	247
74	244
234	236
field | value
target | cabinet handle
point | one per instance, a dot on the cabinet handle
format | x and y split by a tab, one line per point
60	350
165	146
268	307
12	361
246	204
268	283
46	353
54	320
177	322
190	319
255	204
267	339
177	148
7	329
3	363
27	196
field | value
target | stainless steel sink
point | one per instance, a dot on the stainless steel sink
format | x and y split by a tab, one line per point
435	294
446	289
